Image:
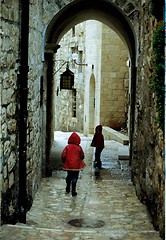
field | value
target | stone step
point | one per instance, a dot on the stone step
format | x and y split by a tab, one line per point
111	134
123	157
123	153
28	232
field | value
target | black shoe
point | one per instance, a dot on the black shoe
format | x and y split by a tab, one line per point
97	171
74	194
67	189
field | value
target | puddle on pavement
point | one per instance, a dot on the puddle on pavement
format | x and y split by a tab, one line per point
91	223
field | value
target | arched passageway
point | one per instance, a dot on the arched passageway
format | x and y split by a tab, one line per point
68	17
50	20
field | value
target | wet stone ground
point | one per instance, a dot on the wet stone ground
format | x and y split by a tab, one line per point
106	207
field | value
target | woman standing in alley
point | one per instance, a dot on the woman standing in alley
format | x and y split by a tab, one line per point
98	143
72	158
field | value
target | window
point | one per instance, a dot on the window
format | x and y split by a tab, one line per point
67	80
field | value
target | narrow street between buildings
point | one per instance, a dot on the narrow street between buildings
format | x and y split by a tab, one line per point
106	207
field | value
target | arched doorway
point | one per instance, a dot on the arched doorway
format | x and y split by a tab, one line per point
92	103
64	20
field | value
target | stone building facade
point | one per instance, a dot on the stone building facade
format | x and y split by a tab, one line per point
100	66
69	104
27	95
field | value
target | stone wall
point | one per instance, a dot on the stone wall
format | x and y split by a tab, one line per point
114	81
148	149
72	44
106	100
9	136
34	129
92	75
10	63
39	17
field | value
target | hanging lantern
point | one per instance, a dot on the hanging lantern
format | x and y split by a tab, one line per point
67	79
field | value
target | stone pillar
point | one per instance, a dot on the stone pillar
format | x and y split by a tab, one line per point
132	106
49	58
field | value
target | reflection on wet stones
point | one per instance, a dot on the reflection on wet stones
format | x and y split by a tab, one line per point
116	238
111	164
91	223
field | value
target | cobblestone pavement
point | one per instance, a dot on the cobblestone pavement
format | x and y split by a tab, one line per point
106	207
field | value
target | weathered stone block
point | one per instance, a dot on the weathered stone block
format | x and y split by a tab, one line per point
11	161
11	180
12	124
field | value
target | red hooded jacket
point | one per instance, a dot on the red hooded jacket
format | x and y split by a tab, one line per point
72	155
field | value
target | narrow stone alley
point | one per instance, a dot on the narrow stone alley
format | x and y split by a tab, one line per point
106	207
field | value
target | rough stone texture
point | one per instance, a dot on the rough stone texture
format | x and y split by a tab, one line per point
9	68
9	112
106	207
114	73
64	99
148	151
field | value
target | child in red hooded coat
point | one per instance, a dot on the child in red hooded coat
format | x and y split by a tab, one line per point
72	158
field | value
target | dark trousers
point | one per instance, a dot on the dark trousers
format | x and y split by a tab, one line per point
72	176
97	157
71	179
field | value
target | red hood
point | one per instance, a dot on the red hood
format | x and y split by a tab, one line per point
74	138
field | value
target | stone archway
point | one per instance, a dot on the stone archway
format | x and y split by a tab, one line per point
119	17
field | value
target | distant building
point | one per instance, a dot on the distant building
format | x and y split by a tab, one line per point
97	57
